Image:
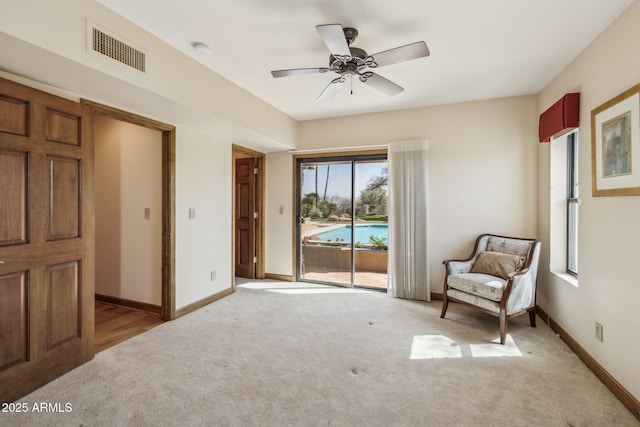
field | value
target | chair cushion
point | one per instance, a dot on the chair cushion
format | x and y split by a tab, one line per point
497	264
489	305
479	284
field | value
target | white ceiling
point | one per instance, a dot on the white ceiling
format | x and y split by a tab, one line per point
480	49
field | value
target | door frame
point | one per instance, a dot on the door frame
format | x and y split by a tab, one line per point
168	196
328	156
239	152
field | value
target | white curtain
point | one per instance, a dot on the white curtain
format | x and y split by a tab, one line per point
408	208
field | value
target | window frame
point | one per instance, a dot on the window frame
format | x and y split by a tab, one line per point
573	203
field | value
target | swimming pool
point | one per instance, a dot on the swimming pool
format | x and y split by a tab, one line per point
362	233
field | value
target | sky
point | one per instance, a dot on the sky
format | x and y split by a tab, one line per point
340	177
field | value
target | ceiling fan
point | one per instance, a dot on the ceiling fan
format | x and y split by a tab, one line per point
350	61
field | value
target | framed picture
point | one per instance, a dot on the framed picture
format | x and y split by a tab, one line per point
615	145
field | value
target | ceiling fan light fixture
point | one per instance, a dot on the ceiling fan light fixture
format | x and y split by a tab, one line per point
201	48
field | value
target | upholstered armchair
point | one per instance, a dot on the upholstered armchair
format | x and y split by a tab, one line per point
498	278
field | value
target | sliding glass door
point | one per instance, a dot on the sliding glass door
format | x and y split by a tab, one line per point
342	220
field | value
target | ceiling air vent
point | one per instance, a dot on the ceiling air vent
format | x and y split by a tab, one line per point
110	46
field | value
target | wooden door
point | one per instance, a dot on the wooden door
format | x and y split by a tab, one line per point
46	238
245	218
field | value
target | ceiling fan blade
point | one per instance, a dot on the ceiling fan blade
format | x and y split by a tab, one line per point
298	71
398	54
382	84
333	36
332	88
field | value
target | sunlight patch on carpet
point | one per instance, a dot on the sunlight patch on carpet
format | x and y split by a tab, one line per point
509	349
434	347
443	347
311	291
278	285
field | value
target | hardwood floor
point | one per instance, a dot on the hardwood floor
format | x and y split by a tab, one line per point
115	324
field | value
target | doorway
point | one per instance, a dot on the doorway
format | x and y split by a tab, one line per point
342	220
153	171
248	212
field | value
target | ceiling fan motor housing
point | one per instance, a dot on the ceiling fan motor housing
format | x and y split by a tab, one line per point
350	34
352	66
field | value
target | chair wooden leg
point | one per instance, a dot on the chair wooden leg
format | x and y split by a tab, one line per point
445	304
503	327
532	318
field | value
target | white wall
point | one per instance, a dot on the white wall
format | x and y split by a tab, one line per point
128	179
608	286
279	226
483	165
203	244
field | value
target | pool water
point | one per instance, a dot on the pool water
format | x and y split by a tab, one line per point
362	233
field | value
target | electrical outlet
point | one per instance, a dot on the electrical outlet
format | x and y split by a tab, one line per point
599	332
213	275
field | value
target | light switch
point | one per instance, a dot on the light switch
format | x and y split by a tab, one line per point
192	213
147	213
281	210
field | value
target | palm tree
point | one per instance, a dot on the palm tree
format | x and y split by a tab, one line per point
314	168
326	184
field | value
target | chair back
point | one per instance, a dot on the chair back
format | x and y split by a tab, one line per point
528	248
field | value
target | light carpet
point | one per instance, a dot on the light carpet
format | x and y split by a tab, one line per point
287	354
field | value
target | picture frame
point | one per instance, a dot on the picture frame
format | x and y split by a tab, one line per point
615	145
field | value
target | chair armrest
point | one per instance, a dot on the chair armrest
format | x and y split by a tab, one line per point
521	290
456	266
519	273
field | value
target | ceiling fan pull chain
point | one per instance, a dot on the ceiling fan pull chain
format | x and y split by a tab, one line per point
351	80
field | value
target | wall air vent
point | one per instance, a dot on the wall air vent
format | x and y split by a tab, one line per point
108	45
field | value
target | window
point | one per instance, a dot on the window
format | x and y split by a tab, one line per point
564	205
572	204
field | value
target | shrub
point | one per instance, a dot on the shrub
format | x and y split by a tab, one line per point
378	243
